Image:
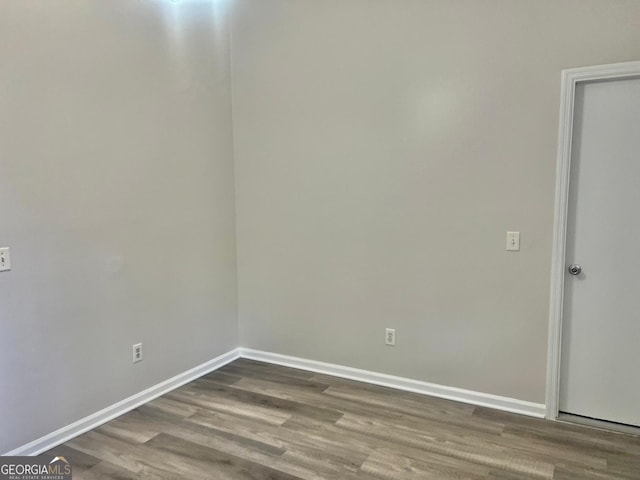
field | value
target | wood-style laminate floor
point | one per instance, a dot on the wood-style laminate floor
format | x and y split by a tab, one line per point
252	420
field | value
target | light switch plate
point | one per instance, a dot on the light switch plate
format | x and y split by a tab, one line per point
513	241
5	259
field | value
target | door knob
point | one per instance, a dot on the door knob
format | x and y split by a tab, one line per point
575	269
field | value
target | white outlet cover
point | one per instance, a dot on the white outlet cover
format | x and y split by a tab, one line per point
137	352
390	336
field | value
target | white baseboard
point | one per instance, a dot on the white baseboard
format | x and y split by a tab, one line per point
450	393
94	420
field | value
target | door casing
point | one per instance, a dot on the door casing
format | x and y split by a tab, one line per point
570	78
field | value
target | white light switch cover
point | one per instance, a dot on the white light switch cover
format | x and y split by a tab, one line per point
513	241
5	259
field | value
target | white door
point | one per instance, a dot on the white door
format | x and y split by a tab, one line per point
600	354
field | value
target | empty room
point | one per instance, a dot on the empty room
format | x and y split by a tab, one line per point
319	239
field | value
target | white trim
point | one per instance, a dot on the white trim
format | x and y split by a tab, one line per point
96	419
416	386
570	79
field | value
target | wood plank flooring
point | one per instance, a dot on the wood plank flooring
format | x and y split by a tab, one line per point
252	420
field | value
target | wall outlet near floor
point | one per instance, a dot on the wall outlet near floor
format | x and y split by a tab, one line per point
5	259
390	337
137	352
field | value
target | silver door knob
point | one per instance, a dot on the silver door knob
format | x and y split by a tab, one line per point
575	269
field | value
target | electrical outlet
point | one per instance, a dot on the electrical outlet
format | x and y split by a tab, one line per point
5	259
390	337
137	352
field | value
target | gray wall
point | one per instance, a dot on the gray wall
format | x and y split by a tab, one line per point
383	148
116	198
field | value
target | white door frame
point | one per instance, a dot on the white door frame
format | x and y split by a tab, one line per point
570	78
